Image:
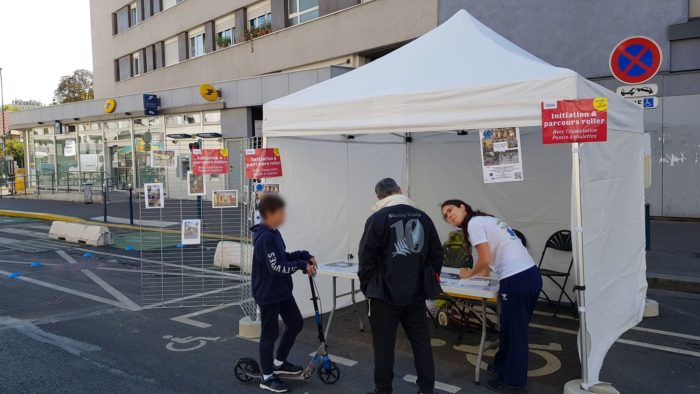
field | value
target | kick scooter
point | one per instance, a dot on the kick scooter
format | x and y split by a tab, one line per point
247	368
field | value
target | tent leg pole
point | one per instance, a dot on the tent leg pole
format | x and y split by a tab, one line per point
581	283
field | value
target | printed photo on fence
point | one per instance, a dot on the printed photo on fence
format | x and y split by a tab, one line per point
163	158
224	199
195	184
153	194
191	231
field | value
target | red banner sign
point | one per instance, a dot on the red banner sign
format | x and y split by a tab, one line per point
210	161
567	121
263	163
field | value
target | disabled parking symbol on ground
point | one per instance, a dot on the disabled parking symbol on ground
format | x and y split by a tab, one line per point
181	344
551	363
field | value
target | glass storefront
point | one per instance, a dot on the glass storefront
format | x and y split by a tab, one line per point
118	151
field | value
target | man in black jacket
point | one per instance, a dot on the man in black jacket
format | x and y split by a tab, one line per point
398	245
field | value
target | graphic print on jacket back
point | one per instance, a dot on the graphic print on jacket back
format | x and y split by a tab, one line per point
408	237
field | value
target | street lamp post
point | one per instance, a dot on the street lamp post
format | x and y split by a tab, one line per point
2	110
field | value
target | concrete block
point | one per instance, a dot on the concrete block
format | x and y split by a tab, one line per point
574	387
86	234
248	328
651	309
228	254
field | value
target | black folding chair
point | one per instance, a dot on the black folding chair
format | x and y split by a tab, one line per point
561	240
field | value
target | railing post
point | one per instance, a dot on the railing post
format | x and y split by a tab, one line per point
104	200
131	205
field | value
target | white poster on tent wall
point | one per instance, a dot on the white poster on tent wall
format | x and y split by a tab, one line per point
501	157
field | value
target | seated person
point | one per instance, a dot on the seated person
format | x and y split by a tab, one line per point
272	289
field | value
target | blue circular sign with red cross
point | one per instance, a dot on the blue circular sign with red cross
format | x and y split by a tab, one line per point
635	59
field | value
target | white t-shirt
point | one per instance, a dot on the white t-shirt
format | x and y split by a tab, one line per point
508	255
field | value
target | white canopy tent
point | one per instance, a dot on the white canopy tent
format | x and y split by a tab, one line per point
404	116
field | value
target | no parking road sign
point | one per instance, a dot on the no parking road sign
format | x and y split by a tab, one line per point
635	59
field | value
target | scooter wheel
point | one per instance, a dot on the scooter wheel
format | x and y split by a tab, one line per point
245	368
330	375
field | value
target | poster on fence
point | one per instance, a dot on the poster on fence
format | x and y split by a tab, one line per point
210	161
500	155
263	163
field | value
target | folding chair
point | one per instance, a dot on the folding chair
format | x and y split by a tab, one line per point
561	240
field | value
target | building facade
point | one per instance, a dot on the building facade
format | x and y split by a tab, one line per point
255	51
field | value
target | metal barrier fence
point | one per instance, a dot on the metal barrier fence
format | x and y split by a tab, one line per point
183	225
54	183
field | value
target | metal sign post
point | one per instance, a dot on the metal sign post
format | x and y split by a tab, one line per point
580	287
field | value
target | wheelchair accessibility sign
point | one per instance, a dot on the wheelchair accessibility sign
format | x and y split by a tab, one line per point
549	363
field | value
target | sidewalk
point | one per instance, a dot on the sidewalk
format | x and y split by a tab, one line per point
673	263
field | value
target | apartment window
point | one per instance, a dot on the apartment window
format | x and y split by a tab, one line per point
225	31
261	21
171	53
224	38
135	60
121	19
301	11
197	45
133	14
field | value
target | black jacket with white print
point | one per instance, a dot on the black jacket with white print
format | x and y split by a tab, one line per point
397	245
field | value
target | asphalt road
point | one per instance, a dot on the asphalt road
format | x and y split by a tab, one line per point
63	330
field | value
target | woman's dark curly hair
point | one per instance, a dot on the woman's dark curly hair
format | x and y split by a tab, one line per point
471	213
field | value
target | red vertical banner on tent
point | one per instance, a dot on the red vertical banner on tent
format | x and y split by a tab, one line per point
263	163
210	161
567	121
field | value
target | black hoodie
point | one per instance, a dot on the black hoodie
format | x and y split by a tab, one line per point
398	244
273	266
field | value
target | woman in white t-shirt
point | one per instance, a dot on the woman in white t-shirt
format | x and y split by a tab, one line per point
500	250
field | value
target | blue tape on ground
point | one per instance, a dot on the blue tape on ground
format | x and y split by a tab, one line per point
129	248
87	254
14	275
36	264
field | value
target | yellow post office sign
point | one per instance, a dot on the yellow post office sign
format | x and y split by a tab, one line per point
110	105
208	92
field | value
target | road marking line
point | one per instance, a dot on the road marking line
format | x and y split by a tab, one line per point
625	341
165	273
659	347
191	296
339	360
69	291
186	318
126	301
637	328
438	385
669	333
222	273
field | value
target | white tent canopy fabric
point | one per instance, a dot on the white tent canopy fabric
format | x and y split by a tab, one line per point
464	76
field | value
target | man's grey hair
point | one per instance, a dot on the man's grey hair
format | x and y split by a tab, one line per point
386	187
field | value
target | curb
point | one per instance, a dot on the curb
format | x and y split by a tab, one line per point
73	219
674	283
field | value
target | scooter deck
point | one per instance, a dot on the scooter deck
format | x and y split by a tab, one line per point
285	376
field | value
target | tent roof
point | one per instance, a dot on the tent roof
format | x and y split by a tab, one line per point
460	75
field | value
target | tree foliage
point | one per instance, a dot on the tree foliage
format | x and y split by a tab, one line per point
15	148
76	87
10	108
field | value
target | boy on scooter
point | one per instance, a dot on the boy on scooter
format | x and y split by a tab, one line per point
272	289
